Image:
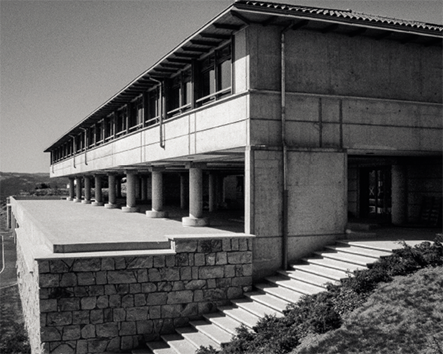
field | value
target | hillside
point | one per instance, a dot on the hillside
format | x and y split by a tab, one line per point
13	183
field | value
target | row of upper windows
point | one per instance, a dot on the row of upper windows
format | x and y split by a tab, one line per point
181	93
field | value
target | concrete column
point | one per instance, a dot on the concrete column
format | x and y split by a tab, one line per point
71	189
183	191
78	190
195	217
131	191
98	191
111	193
399	208
157	196
87	199
212	206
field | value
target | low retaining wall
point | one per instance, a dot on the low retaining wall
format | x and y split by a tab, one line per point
80	303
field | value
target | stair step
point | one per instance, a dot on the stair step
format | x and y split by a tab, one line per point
295	285
367	252
268	300
334	264
280	292
197	338
330	273
212	331
179	344
387	246
225	322
240	315
347	257
310	278
256	308
159	347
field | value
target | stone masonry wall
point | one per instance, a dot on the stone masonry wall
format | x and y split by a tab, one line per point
93	305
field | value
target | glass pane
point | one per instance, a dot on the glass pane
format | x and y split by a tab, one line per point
224	75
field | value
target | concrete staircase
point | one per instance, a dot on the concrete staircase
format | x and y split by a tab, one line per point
272	296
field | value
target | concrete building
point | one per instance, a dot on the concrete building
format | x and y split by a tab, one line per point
300	120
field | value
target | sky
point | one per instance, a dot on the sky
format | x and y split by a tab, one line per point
61	59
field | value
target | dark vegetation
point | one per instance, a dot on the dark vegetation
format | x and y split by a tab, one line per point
321	313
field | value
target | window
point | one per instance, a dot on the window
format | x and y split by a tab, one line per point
153	107
122	115
91	133
99	131
108	126
180	93
136	114
215	75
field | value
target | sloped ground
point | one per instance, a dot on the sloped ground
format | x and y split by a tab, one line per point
404	316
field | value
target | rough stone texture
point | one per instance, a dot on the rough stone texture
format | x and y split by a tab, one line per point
93	305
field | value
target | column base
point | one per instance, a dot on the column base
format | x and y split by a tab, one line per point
97	203
156	214
190	221
86	202
77	200
111	206
69	199
127	209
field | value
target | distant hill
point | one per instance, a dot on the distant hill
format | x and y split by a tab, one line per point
14	183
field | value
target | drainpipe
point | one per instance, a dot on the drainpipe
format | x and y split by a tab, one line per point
161	98
74	148
284	222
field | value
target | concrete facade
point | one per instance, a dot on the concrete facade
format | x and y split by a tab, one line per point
310	122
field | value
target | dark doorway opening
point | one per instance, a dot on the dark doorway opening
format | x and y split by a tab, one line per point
375	193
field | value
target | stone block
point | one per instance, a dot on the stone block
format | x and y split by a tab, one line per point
243	270
108	315
184	296
181	260
86	278
43	267
170	260
214	294
69	304
96	290
96	316
164	286
88	303
223	282
97	345
234	244
239	257
209	272
154	275
71	332
144	327
185	246
68	280
110	290
58	266
121	277
169	274
49	305
242	281
126	343
142	275
81	291
113	345
101	278
59	318
198	295
206	307
107	264
226	244
49	280
221	258
128	329
139	300
107	330
119	263
210	259
178	285
87	265
135	288
102	302
50	334
185	273
149	288
199	259
210	246
154	312
211	283
119	315
141	262
159	261
63	348
157	298
234	293
115	300
128	300
122	288
137	314
80	317
243	244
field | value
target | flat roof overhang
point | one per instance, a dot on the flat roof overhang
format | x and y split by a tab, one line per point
244	13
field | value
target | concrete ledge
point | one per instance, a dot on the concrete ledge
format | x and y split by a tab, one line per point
190	221
111	206
156	214
127	209
97	204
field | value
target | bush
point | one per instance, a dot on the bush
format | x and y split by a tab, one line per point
16	342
